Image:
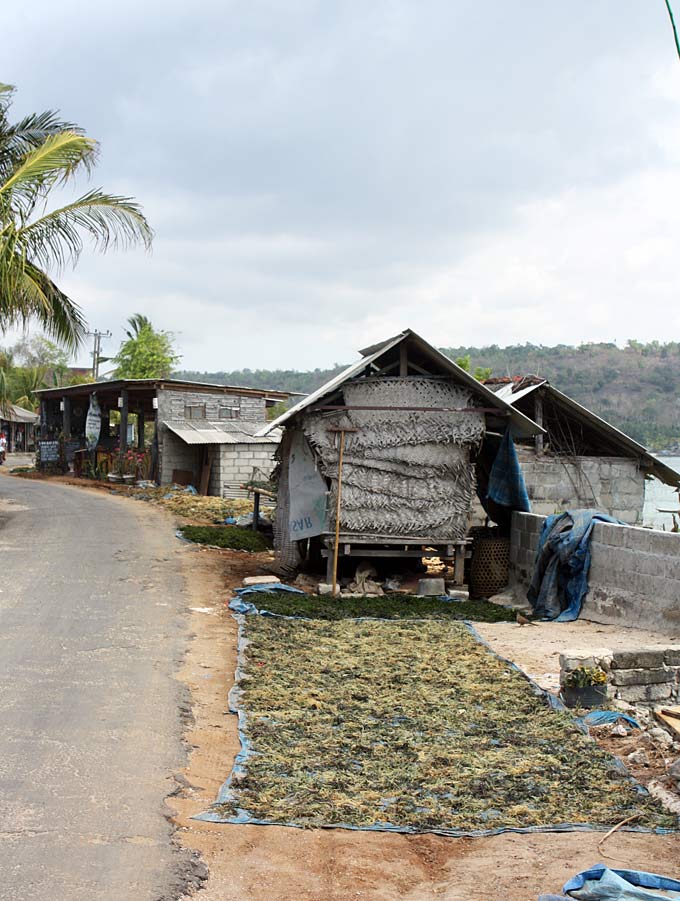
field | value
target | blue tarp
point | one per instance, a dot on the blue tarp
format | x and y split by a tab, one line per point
506	481
607	717
560	579
238	605
599	883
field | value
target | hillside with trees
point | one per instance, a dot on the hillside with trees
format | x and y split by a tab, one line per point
636	388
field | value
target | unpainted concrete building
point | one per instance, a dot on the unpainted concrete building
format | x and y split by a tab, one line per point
582	461
202	434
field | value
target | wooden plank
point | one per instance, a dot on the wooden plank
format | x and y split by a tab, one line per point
383	552
441	541
670	717
403	359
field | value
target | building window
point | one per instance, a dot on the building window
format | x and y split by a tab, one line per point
195	411
230	412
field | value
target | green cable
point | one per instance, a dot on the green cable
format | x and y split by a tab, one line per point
675	30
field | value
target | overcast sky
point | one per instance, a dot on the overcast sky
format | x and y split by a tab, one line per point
321	174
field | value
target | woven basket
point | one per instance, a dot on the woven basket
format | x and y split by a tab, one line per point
489	566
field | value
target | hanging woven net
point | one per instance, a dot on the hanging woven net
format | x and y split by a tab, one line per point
405	472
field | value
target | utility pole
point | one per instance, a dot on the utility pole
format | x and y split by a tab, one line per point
96	352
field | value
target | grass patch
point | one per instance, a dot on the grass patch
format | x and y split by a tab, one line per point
390	606
414	724
227	537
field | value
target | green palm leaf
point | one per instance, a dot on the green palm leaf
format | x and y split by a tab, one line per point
110	221
36	154
55	160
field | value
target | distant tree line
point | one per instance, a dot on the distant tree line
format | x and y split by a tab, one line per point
636	388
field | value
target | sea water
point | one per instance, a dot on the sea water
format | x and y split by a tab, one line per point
661	497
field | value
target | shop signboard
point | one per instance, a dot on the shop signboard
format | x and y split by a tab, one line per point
93	423
49	451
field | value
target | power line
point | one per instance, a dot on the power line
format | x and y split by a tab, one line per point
97	349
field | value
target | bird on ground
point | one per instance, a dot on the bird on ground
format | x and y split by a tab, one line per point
523	621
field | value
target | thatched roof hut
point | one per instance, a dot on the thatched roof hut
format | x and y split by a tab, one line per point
411	422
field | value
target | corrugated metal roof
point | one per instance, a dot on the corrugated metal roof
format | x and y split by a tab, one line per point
512	396
630	446
228	432
18	414
522	425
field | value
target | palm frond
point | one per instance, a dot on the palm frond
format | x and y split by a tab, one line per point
55	160
137	322
26	292
29	133
110	221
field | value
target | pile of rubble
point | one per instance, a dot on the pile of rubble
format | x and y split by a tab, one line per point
644	684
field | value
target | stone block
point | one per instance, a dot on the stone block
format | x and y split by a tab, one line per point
431	588
659	692
324	588
633	694
640	657
610	535
637	539
671	655
571	658
671	568
665	543
640	676
261	580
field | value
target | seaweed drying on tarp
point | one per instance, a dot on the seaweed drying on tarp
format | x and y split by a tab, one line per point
414	726
387	606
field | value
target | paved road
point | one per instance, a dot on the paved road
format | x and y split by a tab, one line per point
91	631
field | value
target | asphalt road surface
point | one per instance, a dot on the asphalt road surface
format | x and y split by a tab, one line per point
91	632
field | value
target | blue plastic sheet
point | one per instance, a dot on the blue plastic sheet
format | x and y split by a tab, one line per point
599	883
238	605
560	580
605	717
506	481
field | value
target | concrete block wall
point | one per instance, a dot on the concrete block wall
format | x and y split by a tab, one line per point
237	464
614	485
643	676
171	404
634	577
175	454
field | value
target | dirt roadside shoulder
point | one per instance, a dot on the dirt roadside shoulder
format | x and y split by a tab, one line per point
267	863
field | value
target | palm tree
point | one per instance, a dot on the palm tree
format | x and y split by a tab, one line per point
37	155
137	322
28	379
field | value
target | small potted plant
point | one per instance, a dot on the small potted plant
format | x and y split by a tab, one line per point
585	686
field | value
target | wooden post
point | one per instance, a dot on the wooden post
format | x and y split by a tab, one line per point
43	419
403	359
538	419
140	430
66	417
123	420
338	501
256	510
459	565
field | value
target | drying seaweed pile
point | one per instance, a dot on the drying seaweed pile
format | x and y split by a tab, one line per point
227	537
406	472
418	725
192	506
388	606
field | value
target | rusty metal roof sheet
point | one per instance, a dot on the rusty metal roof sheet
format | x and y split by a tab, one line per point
201	431
521	424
